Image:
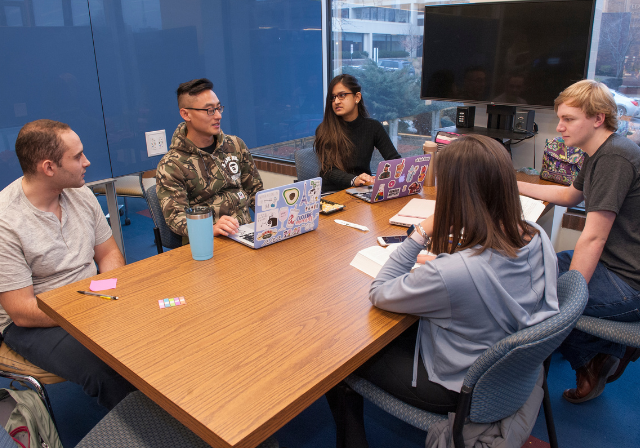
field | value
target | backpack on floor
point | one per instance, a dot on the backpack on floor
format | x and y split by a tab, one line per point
25	417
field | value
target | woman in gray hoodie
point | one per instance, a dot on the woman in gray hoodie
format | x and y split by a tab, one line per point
493	274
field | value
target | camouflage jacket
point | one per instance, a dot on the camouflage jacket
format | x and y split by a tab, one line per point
226	180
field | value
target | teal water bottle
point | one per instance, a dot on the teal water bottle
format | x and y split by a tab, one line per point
200	231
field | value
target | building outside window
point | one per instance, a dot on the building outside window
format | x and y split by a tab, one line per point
392	31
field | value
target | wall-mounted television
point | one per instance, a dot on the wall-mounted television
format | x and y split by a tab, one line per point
521	53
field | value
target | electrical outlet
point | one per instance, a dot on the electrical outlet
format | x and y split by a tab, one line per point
156	142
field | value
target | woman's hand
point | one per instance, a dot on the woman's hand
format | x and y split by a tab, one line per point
364	179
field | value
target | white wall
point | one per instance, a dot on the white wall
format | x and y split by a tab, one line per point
272	180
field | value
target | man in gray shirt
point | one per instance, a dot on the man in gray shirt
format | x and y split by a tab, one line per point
607	251
52	233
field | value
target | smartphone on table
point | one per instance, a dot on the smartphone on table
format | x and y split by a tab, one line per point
386	240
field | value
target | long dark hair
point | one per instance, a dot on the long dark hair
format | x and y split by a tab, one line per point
477	201
332	143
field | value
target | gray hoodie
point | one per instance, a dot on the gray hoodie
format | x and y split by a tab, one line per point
468	302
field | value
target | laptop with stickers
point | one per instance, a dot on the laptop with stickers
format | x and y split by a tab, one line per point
395	179
282	213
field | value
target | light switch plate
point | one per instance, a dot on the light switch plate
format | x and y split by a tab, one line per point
156	142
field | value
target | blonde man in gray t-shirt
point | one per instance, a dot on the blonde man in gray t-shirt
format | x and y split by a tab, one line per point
606	253
52	233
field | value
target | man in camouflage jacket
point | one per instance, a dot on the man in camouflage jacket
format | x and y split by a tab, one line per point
206	167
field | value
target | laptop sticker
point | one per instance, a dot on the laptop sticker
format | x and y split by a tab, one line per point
414	188
423	173
268	200
385	173
412	172
266	220
393	193
404	188
380	193
314	191
392	183
291	195
399	170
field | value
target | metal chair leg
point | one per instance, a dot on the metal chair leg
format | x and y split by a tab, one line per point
37	386
156	233
546	404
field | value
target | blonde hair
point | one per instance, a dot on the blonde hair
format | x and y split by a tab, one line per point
592	98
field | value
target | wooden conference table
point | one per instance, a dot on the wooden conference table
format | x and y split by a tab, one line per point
264	333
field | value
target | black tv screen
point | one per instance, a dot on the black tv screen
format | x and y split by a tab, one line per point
515	53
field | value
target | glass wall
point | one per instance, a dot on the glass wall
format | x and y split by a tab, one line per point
388	66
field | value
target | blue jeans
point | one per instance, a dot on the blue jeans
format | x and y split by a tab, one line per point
611	298
56	351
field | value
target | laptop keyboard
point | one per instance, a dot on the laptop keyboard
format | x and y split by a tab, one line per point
364	196
247	236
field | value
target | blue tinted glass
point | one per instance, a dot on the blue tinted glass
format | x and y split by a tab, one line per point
263	57
48	70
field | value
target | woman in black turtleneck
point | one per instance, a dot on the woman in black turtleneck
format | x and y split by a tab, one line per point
347	136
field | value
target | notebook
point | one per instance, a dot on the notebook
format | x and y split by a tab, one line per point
282	213
395	179
414	212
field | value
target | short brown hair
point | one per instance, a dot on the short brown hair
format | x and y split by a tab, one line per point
40	140
477	201
592	97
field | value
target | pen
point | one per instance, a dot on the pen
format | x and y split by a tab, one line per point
102	296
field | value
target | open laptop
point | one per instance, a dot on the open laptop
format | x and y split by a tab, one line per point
282	213
395	179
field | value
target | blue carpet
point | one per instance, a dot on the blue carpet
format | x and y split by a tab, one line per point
607	421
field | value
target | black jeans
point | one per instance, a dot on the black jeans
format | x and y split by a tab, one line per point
56	351
391	369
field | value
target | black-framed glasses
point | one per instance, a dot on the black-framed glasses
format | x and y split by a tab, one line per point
210	111
341	96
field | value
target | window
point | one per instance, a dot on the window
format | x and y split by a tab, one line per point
393	96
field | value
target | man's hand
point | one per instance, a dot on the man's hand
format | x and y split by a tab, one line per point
225	225
364	179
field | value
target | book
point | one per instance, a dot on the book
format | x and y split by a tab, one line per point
371	259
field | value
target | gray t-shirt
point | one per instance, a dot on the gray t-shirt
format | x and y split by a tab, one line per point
40	250
610	180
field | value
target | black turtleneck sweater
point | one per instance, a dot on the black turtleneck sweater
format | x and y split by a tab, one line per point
365	133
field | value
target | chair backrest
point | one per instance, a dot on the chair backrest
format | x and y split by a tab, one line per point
307	164
376	158
168	239
504	376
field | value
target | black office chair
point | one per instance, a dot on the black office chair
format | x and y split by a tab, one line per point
163	234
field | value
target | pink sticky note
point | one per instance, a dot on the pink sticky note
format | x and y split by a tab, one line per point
161	303
101	285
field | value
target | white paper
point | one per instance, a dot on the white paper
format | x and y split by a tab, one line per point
531	208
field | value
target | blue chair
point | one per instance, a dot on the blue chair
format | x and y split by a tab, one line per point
138	422
163	234
627	333
307	164
502	378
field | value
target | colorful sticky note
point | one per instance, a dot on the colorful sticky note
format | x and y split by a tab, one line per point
161	303
182	300
102	285
172	302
